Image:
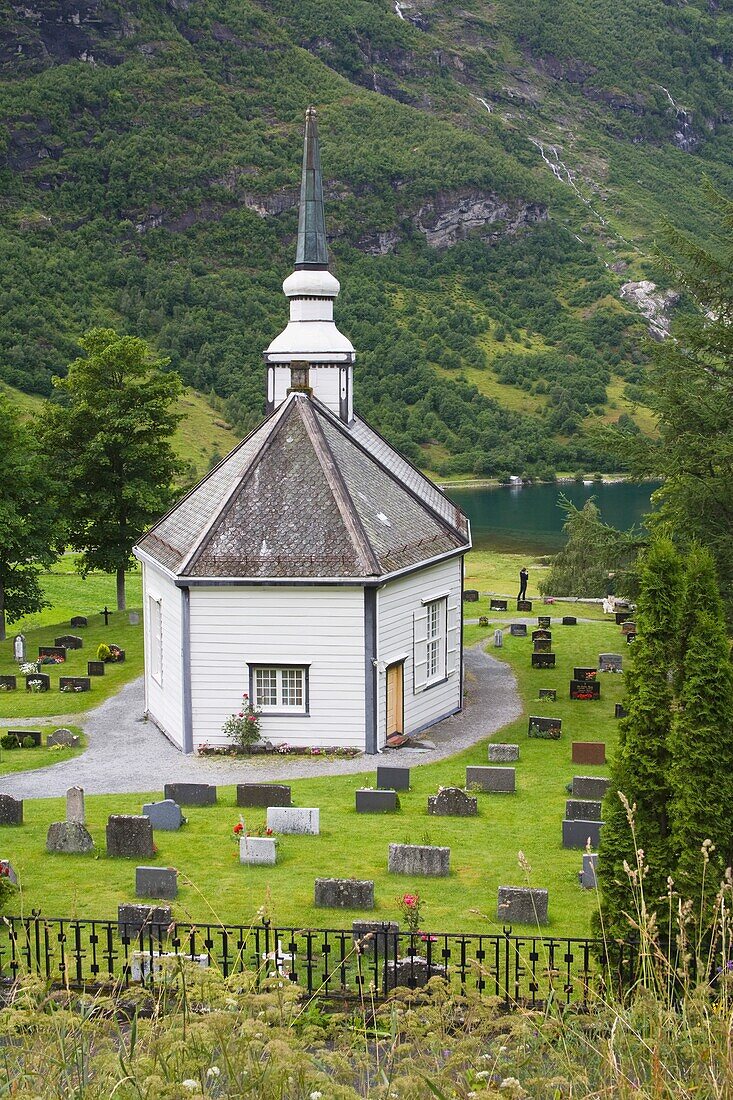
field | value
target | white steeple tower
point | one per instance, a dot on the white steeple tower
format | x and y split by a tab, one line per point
310	353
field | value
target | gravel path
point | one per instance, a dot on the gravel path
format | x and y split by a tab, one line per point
127	754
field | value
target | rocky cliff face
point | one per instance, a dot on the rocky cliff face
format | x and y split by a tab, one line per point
452	216
654	304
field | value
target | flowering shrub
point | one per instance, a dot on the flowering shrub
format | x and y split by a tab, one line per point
410	906
35	686
29	668
51	659
243	728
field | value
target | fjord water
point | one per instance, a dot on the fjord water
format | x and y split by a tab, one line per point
530	518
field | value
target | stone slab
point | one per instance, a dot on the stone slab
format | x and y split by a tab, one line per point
543	660
69	641
129	836
11	810
524	605
548	693
8	683
413	972
78	621
493	780
376	802
619	711
582	809
380	937
263	794
298	820
590	786
589	752
191	794
150	964
522	905
587	877
518	630
498	638
396	778
578	833
343	893
569	620
156	882
497	605
452	802
41	678
543	622
542	645
418	859
470	595
585	673
542	635
52	651
20	736
75	805
544	728
95	668
588	690
165	815
74	683
610	662
628	627
503	754
69	838
63	737
152	920
258	850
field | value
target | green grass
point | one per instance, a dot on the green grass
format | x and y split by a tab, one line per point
70	594
23	760
484	850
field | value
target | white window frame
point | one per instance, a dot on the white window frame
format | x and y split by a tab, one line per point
436	639
283	673
155	608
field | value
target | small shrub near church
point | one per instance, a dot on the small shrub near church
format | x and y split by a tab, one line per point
243	728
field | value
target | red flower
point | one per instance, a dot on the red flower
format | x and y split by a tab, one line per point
251	718
238	828
268	831
241	714
245	696
410	900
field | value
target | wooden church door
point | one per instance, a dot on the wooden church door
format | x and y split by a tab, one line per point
396	698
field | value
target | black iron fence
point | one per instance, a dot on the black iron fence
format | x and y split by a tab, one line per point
521	970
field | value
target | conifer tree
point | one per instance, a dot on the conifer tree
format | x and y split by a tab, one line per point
641	767
701	593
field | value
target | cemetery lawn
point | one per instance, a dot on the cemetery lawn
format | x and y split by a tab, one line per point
25	704
23	760
69	594
484	850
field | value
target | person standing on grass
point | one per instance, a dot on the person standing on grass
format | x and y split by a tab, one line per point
523	578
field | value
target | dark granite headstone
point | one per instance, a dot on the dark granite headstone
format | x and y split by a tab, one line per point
590	786
497	605
11	810
585	673
518	630
51	651
8	683
63	737
470	595
191	794
74	683
548	693
587	876
569	620
628	627
452	802
619	711
376	801
69	641
41	678
263	794
129	836
589	752
396	778
579	809
21	735
545	729
543	621
522	905
95	668
78	621
622	617
577	834
543	660
542	645
542	634
156	882
153	920
524	605
343	893
585	689
631	637
418	859
610	662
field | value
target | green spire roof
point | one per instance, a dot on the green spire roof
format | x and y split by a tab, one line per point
312	250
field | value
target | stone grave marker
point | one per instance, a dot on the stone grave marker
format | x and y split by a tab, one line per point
38	681
589	752
524	605
21	735
569	620
19	648
263	794
590	786
71	837
622	617
191	794
610	662
413	972
261	850
497	605
522	905
518	630
503	754
543	622
75	805
581	809
418	859
396	778
585	674
69	641
470	595
369	801
452	802
301	821
542	645
545	729
95	668
543	660
58	651
165	815
78	621
343	893
498	638
74	683
493	780
542	635
153	920
129	836
11	810
548	693
8	871
629	627
587	876
577	833
585	689
631	637
619	711
133	618
8	683
156	882
380	937
63	737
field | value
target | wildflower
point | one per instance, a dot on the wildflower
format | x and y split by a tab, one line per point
213	1071
315	1096
189	1083
410	900
238	828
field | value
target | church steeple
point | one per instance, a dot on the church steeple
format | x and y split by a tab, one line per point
310	353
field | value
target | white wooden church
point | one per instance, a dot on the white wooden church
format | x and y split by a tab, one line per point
314	568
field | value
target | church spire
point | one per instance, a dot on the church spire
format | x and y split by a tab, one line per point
312	252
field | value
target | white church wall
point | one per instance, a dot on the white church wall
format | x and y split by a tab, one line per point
163	647
318	627
400	611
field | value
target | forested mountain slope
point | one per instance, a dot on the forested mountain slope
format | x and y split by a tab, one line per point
494	173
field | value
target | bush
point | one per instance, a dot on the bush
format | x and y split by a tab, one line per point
103	652
29	743
9	742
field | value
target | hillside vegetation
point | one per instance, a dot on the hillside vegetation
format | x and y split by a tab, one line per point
493	174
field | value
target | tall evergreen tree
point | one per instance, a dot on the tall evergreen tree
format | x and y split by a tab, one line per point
593	550
640	768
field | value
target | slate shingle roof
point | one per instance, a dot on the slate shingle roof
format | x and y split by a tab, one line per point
305	496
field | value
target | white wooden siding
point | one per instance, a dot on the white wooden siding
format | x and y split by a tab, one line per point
400	625
324	381
322	627
164	700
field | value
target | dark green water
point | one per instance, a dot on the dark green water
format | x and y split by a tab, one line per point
529	518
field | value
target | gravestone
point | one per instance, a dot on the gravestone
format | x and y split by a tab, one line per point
165	815
21	735
343	893
156	882
587	877
589	752
69	641
19	648
370	801
51	651
610	662
493	780
543	622
8	871
620	711
578	834
69	838
622	617
191	794
503	754
153	920
396	778
548	693
133	618
301	821
63	737
260	850
522	905
78	621
11	810
585	674
498	638
542	645
470	595
129	836
75	805
580	809
263	794
452	802
585	689
590	786
413	972
42	679
545	729
518	630
543	660
380	937
95	668
524	605
74	683
629	627
569	620
497	605
631	637
542	635
418	859
8	683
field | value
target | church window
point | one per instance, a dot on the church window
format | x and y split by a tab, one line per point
280	689
435	639
156	639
